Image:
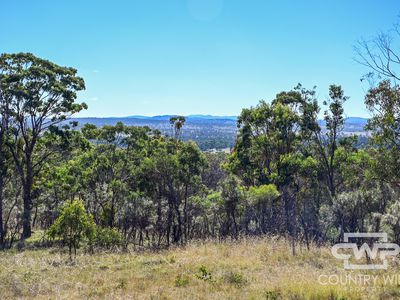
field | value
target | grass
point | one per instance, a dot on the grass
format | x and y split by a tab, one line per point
248	269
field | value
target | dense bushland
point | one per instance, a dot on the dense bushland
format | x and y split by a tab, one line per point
131	186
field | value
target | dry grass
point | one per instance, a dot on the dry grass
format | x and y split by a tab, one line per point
249	269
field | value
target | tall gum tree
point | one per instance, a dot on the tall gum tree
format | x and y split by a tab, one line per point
43	94
4	119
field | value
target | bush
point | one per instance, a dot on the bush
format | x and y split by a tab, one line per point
73	225
181	281
273	295
204	274
108	238
236	279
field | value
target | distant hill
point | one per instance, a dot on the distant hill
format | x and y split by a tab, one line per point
189	117
356	120
209	132
210	117
352	120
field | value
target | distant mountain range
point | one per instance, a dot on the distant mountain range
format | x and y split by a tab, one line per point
357	120
208	131
189	117
352	120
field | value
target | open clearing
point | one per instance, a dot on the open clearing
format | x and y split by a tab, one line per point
248	269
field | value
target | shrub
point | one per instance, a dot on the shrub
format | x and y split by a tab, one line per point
236	279
73	225
108	237
204	274
181	281
272	294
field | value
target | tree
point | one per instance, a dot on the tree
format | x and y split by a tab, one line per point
271	144
381	55
214	172
177	125
327	143
42	94
73	225
262	198
383	101
4	120
232	196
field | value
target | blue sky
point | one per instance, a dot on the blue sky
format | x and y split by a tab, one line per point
197	56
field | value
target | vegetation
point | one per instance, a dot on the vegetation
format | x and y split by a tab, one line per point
73	225
251	268
285	176
132	188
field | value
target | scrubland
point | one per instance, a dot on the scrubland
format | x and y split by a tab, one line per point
251	268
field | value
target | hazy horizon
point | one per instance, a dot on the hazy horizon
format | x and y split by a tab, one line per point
189	115
198	56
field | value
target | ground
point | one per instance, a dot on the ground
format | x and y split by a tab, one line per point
262	268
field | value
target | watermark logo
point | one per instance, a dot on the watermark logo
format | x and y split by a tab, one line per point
381	249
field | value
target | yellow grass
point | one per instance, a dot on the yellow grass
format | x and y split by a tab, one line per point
248	269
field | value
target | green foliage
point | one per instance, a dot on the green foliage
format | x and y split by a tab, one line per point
269	132
263	194
383	101
288	174
273	294
38	95
108	237
73	225
181	280
235	278
177	125
204	274
107	215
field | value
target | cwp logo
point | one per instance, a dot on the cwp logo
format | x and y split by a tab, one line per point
380	250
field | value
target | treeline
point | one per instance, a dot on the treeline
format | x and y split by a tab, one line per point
285	176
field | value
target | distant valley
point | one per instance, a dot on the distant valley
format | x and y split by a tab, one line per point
209	132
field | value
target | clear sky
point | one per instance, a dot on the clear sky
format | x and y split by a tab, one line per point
197	56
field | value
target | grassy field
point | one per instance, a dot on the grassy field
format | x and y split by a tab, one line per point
249	269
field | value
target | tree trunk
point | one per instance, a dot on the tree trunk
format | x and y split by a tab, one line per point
3	174
27	215
290	208
28	203
293	224
185	213
178	233
70	250
235	224
2	231
331	183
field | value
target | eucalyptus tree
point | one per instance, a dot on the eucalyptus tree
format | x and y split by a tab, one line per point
327	142
272	144
214	173
105	174
232	196
381	55
43	94
383	101
170	173
177	126
73	225
262	200
58	179
4	154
